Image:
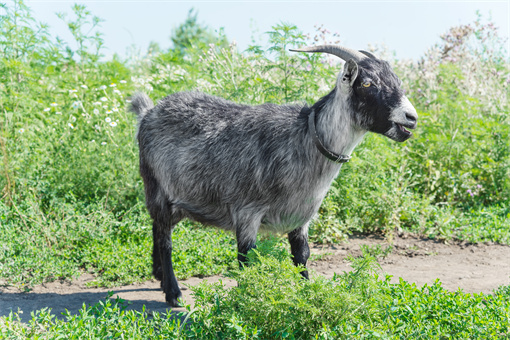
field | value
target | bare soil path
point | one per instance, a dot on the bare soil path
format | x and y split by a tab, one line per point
473	268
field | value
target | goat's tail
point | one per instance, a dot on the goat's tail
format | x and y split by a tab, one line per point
140	104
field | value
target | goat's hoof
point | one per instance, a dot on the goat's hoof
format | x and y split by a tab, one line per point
174	301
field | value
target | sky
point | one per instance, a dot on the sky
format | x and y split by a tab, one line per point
406	28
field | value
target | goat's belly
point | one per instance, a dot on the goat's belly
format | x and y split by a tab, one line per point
284	223
290	214
278	228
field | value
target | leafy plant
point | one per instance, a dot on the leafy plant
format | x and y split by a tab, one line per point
191	34
272	300
71	192
89	45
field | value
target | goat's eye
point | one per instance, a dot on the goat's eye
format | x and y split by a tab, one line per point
366	84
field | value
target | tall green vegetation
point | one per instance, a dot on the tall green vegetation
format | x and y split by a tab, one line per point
72	199
191	34
71	192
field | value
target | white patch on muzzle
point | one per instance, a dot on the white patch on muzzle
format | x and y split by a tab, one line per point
400	113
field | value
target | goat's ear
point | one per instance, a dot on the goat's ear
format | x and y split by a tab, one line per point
350	72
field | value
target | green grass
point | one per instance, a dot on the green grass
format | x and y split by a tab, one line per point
272	301
116	248
72	197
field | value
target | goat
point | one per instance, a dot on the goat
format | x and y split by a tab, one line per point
267	167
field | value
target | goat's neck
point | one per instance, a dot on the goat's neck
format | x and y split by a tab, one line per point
335	126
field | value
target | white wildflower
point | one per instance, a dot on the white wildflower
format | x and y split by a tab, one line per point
46	109
21	130
70	125
73	118
97	103
180	71
114	109
203	84
102	87
73	91
107	119
84	86
58	113
113	124
96	111
108	112
123	81
112	85
76	105
103	143
53	104
103	99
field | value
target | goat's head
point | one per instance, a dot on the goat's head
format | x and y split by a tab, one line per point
374	93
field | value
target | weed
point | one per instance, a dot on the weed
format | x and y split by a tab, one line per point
377	250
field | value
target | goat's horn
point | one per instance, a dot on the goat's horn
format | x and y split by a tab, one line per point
341	52
368	54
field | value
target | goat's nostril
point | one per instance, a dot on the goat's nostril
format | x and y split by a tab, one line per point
411	117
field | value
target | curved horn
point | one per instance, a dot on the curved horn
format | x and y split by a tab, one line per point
341	52
368	54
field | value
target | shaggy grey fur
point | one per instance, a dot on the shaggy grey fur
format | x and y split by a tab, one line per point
245	168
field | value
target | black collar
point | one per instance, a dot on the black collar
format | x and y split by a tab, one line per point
328	154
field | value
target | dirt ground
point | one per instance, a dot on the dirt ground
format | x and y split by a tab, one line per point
473	268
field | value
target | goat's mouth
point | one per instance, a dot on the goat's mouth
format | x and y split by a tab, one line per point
403	129
399	132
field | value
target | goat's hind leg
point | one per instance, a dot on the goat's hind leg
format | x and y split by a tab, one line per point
163	238
164	219
157	270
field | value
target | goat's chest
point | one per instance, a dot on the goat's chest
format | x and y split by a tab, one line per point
293	212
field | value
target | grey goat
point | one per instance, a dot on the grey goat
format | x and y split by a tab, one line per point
267	167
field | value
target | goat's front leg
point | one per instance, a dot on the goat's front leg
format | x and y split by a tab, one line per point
246	238
298	239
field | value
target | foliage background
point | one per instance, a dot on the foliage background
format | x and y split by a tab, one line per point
72	199
71	193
